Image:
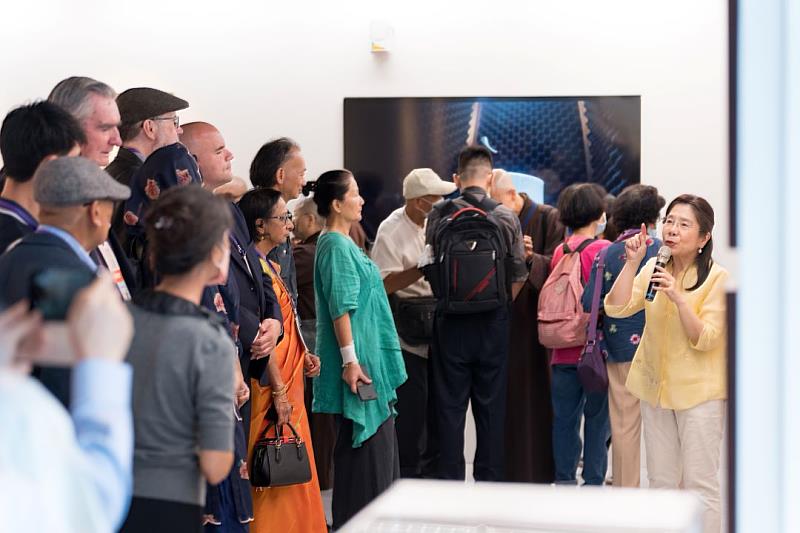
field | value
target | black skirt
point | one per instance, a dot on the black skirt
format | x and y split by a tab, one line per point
362	474
148	515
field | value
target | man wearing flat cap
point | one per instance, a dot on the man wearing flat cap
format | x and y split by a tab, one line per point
76	201
399	243
149	121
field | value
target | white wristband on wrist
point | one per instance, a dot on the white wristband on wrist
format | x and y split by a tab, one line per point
348	354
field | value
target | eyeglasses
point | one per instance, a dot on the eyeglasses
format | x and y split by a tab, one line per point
175	120
682	224
286	217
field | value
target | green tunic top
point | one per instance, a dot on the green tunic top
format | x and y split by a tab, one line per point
347	281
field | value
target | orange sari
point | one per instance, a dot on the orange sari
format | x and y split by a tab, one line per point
294	508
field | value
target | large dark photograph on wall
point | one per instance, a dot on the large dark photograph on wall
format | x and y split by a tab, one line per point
561	140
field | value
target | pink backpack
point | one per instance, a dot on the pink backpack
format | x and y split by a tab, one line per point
562	320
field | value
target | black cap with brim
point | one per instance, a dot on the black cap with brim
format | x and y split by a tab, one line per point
141	103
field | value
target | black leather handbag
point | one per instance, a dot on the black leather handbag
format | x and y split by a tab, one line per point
278	461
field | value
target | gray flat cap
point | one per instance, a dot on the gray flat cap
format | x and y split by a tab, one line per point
141	103
74	181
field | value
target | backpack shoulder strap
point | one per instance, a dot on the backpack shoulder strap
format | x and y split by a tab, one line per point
581	247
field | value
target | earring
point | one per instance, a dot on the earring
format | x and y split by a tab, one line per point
700	251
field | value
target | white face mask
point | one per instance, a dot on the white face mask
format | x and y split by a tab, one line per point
601	226
653	232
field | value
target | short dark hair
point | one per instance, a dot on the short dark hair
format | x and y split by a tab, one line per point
636	205
183	226
269	159
258	203
331	185
472	156
32	132
579	205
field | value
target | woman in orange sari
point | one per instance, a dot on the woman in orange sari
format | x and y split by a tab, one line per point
293	508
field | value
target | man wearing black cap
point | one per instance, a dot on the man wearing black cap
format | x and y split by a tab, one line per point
76	200
148	121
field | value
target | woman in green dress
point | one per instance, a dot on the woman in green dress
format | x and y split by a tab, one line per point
358	346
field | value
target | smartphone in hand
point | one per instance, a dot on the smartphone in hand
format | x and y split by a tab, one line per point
53	289
366	391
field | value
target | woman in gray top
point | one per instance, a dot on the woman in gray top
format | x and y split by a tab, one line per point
183	366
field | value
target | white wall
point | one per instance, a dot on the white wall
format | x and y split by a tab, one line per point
263	69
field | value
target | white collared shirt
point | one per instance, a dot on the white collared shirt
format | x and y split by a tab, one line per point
399	243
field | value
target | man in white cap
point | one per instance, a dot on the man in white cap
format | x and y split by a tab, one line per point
399	243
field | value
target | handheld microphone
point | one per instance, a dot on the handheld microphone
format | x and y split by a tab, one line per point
664	253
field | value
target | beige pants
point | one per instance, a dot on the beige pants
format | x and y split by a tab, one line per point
683	451
626	427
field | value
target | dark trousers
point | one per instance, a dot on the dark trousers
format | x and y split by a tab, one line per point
415	436
569	403
469	362
363	473
148	515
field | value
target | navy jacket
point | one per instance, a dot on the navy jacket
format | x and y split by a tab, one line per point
257	299
36	252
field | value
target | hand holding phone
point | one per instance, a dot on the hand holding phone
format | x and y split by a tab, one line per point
53	289
366	391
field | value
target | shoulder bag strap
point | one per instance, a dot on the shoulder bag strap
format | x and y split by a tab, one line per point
591	335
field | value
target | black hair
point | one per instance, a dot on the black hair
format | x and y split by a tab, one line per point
183	226
269	159
636	205
579	205
704	214
331	185
472	156
256	204
32	132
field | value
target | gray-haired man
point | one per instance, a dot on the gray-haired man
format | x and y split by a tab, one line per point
94	106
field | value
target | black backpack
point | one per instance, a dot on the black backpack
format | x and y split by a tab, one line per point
469	273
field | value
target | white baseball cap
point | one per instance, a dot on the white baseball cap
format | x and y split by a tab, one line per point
423	182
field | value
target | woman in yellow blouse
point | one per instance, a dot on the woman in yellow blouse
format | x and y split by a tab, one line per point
679	368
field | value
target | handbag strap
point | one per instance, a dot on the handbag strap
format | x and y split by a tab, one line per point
591	335
279	431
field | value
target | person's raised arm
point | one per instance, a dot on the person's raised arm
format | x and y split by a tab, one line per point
635	250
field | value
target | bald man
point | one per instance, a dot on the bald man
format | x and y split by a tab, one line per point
206	143
259	311
529	415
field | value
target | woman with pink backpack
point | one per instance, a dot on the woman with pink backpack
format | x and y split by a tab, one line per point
562	327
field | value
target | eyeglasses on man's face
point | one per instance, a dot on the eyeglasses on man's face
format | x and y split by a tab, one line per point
175	120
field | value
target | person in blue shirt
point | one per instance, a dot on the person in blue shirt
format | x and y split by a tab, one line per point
67	471
636	205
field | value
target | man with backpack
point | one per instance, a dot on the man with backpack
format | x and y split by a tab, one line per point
475	261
